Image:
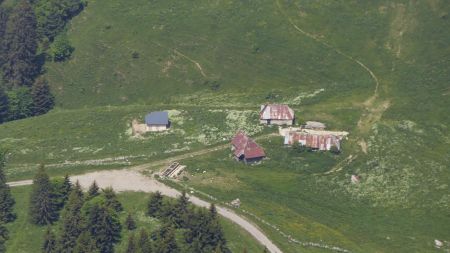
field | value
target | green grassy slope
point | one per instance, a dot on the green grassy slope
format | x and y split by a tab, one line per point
206	57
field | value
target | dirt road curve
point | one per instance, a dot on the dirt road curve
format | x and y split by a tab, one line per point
132	180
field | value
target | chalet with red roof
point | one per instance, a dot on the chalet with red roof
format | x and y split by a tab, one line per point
275	114
245	149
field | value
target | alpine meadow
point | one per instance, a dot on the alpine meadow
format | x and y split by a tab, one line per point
140	126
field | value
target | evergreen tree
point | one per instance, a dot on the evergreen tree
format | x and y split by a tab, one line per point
20	103
66	188
104	227
181	211
215	236
155	204
85	244
111	199
3	237
130	223
43	100
131	246
3	23
20	45
165	240
43	209
6	200
49	245
144	244
72	220
93	191
4	104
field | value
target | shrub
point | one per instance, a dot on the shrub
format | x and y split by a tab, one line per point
61	49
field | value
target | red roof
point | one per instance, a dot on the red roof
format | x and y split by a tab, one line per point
247	147
276	111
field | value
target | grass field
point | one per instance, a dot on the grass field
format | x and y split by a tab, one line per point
26	238
378	69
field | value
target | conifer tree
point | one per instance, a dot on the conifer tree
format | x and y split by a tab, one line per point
181	211
6	200
50	243
85	244
155	205
111	199
93	190
130	223
72	220
131	246
3	237
43	100
43	209
3	22
66	188
165	240
144	243
20	45
4	104
104	227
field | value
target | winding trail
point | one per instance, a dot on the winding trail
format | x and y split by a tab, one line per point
191	60
374	110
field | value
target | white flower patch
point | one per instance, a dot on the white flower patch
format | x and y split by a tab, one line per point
298	100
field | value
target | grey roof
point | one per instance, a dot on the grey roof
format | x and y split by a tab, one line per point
157	118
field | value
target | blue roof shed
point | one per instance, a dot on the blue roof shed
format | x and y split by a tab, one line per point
157	118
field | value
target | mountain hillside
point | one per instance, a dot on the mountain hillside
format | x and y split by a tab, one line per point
377	69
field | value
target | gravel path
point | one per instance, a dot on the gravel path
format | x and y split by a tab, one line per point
132	180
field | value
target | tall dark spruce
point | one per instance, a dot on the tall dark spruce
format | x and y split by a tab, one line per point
3	237
43	209
3	22
20	46
6	200
104	227
72	223
43	99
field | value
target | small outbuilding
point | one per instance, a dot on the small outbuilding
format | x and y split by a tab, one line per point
276	114
314	125
245	149
157	121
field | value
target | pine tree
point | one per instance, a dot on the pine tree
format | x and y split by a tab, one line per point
181	211
85	244
144	244
43	209
43	100
3	23
6	200
66	188
50	244
130	223
3	237
104	227
72	220
165	241
20	45
215	236
111	199
155	204
4	104
131	246
93	191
